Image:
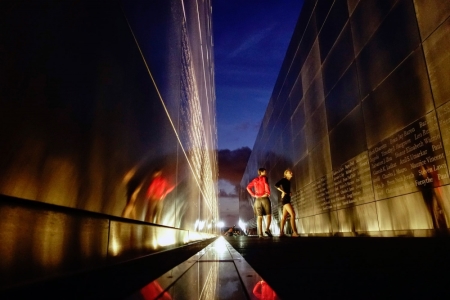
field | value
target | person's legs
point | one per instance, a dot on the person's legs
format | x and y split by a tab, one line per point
268	221
259	226
259	213
265	203
283	220
291	212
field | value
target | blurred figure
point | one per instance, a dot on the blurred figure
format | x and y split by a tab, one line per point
429	184
263	291
230	232
284	186
156	193
154	291
259	188
134	181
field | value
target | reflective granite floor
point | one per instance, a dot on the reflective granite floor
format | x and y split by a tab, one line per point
350	267
216	272
269	268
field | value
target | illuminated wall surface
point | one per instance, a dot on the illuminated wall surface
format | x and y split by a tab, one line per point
106	107
361	114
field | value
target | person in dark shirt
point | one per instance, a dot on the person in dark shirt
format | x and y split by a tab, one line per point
284	186
259	188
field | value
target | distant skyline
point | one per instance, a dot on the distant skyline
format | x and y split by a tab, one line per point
250	41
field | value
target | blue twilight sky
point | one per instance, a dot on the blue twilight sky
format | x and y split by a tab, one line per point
250	41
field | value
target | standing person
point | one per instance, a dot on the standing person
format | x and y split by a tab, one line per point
284	186
259	188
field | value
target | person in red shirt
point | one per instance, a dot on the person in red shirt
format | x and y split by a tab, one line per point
156	193
259	188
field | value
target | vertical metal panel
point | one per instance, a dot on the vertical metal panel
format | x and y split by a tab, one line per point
326	223
39	242
443	113
343	98
332	28
404	212
394	40
321	159
347	140
316	127
352	5
366	19
311	66
388	108
358	218
430	14
437	57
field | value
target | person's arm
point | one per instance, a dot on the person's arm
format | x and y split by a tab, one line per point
249	189
279	186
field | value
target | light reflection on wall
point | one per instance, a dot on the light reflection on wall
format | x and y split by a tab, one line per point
362	129
95	135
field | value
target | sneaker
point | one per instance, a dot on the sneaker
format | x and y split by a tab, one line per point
269	233
260	236
295	235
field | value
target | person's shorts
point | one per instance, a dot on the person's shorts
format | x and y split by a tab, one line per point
286	199
262	206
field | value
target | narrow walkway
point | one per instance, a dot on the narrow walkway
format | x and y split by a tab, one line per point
216	272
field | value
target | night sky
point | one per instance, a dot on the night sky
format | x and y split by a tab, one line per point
250	41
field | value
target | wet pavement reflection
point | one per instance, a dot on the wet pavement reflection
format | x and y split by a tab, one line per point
216	272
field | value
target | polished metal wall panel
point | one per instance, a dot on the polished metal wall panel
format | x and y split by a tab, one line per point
394	40
381	134
343	98
46	242
338	60
298	119
437	57
103	111
292	77
358	218
306	225
366	18
389	108
161	55
347	139
409	160
314	96
303	169
325	195
321	12
351	6
332	27
128	240
316	127
311	66
326	223
308	39
352	183
321	159
285	118
299	149
404	212
443	114
430	15
296	94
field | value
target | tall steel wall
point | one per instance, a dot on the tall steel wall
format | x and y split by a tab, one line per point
360	112
97	99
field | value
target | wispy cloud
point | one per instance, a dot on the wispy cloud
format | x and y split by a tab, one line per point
252	42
